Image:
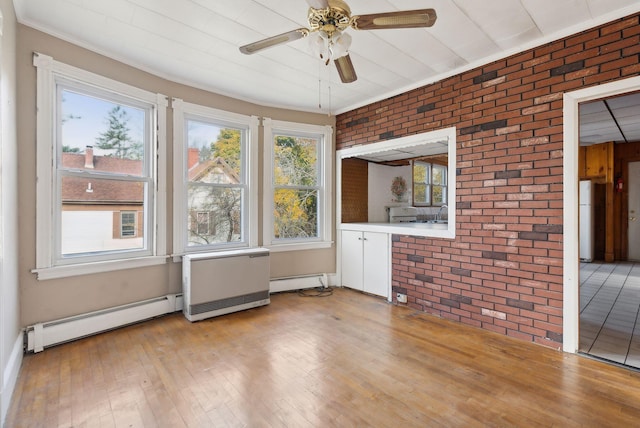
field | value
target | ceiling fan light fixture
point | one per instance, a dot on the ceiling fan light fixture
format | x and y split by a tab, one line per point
340	46
319	46
329	46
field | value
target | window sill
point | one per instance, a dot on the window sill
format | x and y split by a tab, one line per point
427	230
299	246
97	267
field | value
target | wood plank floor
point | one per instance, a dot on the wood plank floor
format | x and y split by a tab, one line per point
344	360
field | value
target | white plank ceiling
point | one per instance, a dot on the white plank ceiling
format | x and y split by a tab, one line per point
196	42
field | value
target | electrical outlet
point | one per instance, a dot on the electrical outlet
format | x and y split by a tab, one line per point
401	298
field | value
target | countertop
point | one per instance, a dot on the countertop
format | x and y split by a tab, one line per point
435	230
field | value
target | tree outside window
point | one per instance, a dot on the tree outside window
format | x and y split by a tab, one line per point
295	176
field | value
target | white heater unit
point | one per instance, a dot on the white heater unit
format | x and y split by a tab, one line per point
223	282
42	335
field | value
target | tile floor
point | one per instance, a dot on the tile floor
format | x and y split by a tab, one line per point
609	305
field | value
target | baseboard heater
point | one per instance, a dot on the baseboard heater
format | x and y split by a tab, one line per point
302	282
222	282
43	335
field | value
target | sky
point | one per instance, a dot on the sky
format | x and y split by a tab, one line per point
201	134
87	117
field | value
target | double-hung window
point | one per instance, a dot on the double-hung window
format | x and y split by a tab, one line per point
429	184
297	195
215	200
100	150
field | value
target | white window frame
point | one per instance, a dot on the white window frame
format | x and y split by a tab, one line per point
325	135
444	186
182	111
48	266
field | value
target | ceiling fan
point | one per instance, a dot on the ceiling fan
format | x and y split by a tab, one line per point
327	21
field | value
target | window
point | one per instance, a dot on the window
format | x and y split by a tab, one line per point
297	204
429	184
127	224
215	204
99	158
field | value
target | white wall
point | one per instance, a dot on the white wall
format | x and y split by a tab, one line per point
10	334
380	196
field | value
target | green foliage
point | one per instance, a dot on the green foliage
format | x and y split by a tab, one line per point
116	138
204	154
295	197
69	149
227	147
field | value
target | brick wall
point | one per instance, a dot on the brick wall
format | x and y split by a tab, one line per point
503	272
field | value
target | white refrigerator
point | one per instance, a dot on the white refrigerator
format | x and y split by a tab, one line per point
586	221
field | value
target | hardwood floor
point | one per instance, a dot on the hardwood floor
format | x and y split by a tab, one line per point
344	360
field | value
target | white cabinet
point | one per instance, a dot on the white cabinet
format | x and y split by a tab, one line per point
364	261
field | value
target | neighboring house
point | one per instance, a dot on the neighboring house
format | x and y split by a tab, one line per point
109	214
214	210
104	214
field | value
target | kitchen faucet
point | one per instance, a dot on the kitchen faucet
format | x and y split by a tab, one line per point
439	214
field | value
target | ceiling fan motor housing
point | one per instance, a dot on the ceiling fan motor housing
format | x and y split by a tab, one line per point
336	17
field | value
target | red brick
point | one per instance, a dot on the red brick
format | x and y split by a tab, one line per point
529	99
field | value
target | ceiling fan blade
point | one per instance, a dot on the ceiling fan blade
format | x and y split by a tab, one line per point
345	69
273	41
402	19
318	4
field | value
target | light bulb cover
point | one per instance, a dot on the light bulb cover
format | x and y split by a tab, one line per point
340	45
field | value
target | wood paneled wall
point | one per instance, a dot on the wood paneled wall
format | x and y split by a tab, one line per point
355	196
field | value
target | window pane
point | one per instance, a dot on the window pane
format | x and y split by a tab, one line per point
295	213
420	193
420	173
224	207
214	174
202	219
91	215
295	161
439	175
439	195
111	130
127	224
209	143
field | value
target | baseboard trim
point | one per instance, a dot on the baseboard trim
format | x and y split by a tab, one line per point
277	285
10	376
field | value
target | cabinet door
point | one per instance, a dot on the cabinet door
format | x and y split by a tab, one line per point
376	264
351	259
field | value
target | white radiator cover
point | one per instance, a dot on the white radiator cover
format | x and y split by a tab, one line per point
223	282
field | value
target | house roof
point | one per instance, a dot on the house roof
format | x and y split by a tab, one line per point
203	171
81	190
102	163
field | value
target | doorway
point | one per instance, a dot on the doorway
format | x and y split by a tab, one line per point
609	282
571	261
633	217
